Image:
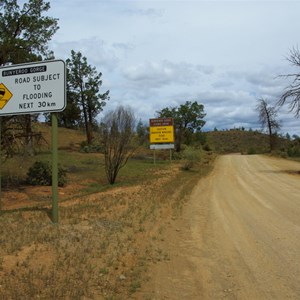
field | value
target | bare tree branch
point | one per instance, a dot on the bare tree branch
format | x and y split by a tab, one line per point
291	96
267	118
117	133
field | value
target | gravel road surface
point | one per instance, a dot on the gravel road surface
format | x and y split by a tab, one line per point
238	237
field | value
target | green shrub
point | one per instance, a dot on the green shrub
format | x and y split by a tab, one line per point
40	173
251	151
207	148
293	151
9	180
190	156
177	155
90	148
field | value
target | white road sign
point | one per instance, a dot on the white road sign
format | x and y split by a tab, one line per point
33	88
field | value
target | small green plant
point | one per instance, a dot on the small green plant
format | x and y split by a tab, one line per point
293	151
103	271
95	147
207	147
251	151
135	285
190	156
40	173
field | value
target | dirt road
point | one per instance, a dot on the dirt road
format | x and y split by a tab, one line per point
238	237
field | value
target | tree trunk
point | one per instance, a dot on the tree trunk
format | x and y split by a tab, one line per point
178	137
90	125
29	148
86	122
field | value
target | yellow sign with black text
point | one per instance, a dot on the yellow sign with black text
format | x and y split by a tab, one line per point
161	134
5	95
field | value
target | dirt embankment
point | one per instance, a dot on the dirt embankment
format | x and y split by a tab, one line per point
238	237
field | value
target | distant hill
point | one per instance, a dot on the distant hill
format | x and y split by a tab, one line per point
235	140
68	139
228	141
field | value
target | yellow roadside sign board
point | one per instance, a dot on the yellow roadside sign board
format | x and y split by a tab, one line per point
161	131
5	95
164	134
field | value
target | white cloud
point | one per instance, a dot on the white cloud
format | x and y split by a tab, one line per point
97	51
159	74
154	54
148	12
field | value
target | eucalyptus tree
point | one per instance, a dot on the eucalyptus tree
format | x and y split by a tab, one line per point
25	31
268	119
83	91
187	117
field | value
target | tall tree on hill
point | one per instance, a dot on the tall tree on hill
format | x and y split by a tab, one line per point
25	32
291	96
83	87
268	119
24	35
142	132
70	117
187	117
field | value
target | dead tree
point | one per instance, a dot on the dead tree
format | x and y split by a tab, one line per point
117	131
267	119
291	96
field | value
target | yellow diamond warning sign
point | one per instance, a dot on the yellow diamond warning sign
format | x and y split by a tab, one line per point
5	95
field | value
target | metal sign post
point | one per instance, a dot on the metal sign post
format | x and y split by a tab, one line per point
54	169
0	164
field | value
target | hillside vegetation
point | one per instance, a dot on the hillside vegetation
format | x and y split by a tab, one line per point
245	142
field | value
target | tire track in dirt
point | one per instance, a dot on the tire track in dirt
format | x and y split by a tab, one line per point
238	237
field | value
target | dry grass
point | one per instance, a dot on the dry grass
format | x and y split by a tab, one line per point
105	240
67	139
238	141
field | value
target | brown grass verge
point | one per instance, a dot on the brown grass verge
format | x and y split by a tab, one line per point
103	245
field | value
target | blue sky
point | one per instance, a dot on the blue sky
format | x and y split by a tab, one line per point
155	54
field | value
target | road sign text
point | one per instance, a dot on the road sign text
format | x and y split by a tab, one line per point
35	87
